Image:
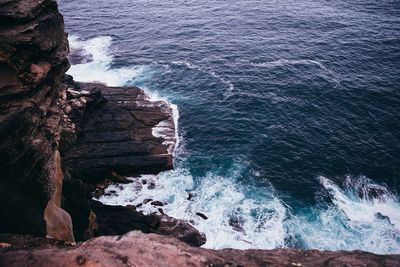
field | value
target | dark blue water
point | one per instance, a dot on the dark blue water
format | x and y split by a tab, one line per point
289	112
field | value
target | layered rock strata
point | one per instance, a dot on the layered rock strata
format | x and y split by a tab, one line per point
117	136
138	249
33	51
59	138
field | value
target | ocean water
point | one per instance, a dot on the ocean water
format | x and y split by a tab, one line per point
288	113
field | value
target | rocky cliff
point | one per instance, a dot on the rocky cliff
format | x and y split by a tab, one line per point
62	142
60	138
33	51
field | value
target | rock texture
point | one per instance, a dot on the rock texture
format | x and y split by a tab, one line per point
146	250
33	51
58	138
110	132
119	220
118	135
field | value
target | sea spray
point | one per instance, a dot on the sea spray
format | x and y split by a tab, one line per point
99	68
235	220
360	215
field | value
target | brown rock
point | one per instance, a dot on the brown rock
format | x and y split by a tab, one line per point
31	65
148	250
161	211
117	135
39	71
58	223
181	230
118	220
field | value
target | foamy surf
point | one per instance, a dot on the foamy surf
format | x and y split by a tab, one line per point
361	215
99	68
244	218
234	220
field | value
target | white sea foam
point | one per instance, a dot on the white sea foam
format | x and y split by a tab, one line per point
362	200
234	220
163	129
363	215
100	68
282	62
354	220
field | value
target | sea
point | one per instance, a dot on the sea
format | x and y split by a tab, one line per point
287	114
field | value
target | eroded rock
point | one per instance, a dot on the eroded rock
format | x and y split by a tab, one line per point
33	50
147	250
117	135
118	220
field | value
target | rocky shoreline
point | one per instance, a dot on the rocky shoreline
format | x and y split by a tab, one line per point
63	142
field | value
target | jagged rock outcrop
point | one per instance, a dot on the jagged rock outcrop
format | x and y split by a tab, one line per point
110	132
118	135
33	51
147	250
119	220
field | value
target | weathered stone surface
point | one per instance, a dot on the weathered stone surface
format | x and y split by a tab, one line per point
119	220
181	230
33	49
145	250
58	223
117	136
26	241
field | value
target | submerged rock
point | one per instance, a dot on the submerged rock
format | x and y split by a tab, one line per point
201	215
157	203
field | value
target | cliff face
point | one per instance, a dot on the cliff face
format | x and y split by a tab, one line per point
59	138
33	50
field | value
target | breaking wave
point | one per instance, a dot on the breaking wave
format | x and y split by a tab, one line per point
98	68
